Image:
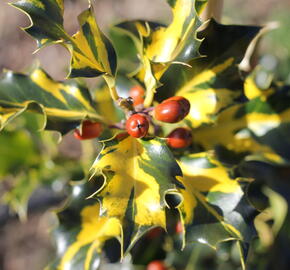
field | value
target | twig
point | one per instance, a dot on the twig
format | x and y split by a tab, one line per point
213	9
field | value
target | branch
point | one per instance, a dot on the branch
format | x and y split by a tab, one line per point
213	9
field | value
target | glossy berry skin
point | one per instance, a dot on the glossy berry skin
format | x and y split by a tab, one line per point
179	138
156	265
89	130
172	110
137	125
169	112
137	94
183	101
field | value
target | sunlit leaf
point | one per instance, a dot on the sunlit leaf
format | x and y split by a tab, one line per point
64	104
133	178
159	46
214	207
257	129
212	82
92	53
81	232
46	20
177	41
251	85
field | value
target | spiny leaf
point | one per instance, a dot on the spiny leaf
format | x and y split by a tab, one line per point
64	104
81	232
133	177
257	129
214	207
159	46
46	18
177	41
212	82
92	53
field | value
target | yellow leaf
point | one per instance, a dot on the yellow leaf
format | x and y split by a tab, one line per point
138	174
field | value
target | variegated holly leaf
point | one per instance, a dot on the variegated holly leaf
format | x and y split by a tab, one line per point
176	42
92	53
214	207
81	231
133	178
159	46
64	104
46	20
257	129
212	82
138	31
252	88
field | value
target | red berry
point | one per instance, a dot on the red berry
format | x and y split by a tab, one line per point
179	138
137	125
137	94
154	233
156	265
184	101
172	110
179	227
89	130
169	112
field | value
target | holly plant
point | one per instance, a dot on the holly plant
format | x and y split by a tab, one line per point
171	129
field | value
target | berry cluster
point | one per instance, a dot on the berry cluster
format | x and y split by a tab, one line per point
171	110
